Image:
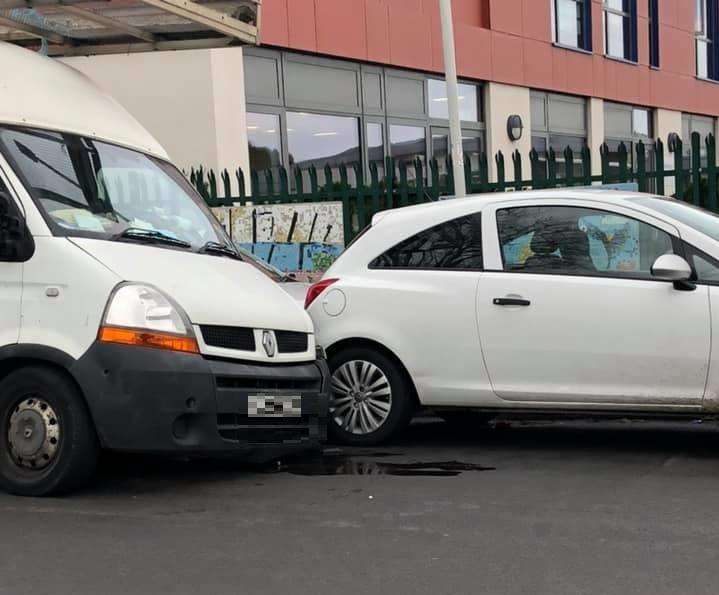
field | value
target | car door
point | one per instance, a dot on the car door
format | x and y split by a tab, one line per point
570	313
10	277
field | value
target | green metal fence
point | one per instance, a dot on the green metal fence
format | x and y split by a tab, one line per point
406	184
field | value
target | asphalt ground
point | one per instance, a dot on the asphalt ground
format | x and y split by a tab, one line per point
570	508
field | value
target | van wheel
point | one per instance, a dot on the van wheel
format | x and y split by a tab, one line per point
370	399
48	443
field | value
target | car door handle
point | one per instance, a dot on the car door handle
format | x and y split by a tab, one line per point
511	302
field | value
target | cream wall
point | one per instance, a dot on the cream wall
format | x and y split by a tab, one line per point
502	101
666	122
192	101
595	133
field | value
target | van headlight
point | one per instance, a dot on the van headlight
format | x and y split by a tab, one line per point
142	315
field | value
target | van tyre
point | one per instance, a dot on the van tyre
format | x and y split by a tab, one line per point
371	397
48	443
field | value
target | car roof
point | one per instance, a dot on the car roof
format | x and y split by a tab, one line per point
450	204
40	92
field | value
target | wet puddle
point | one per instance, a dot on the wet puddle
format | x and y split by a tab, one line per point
360	465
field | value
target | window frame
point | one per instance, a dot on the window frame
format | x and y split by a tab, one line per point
705	31
632	52
677	243
477	225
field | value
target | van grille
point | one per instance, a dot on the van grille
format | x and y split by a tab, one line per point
229	337
241	428
291	342
269	384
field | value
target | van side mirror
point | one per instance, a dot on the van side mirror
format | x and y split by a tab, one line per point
15	241
671	267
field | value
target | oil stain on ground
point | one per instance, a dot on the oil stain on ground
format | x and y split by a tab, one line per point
348	465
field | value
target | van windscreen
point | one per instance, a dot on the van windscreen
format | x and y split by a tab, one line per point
85	187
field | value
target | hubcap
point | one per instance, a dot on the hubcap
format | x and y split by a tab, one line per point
33	434
361	397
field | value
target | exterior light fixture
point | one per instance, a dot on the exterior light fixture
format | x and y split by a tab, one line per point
672	141
515	126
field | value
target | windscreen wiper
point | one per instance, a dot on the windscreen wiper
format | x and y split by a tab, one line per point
150	235
219	249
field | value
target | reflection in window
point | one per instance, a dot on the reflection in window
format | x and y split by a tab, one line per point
455	244
704	40
319	140
578	241
571	23
468	101
375	147
265	146
559	143
407	144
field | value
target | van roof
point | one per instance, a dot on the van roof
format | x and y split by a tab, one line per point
41	92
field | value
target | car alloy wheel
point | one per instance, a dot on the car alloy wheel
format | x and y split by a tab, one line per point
361	397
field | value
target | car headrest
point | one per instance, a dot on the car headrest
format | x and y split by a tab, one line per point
543	242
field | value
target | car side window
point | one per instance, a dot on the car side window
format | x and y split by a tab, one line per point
578	241
706	268
453	245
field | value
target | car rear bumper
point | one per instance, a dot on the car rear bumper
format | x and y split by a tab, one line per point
151	400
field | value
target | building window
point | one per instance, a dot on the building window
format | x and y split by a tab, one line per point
472	145
407	144
319	140
558	122
264	138
654	33
706	28
573	23
628	124
468	101
375	147
704	125
620	29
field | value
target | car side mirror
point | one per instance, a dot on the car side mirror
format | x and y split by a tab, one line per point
671	267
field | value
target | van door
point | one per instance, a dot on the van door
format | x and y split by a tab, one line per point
10	275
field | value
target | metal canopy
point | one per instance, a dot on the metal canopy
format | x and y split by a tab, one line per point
79	27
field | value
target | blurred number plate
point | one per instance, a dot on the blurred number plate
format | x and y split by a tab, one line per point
274	406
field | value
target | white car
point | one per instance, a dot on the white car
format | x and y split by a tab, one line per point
561	300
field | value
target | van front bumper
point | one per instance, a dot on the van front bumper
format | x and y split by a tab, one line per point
150	400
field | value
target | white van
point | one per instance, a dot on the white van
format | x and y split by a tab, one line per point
128	320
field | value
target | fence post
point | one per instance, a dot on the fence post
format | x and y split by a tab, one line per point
696	168
419	180
659	165
226	187
270	181
641	167
711	203
389	183
314	185
623	155
537	181
213	187
551	168
679	169
403	185
345	196
299	185
360	202
374	187
434	173
450	176
242	189
483	172
284	185
587	165
467	174
568	166
517	163
604	154
499	159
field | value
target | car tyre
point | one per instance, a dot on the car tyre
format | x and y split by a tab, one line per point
48	443
383	375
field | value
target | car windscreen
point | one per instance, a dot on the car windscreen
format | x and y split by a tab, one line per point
85	187
702	220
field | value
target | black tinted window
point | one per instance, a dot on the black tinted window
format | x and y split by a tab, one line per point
456	244
578	241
